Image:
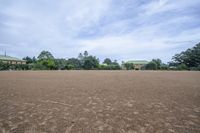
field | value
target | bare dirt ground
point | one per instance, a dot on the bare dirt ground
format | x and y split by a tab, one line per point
99	102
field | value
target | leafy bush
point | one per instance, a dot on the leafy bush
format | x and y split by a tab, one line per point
39	66
3	66
164	67
151	66
69	67
129	66
182	67
90	62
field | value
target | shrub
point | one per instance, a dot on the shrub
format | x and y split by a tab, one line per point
129	66
69	67
4	66
151	66
182	67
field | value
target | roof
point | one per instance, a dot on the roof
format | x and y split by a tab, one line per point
9	58
138	61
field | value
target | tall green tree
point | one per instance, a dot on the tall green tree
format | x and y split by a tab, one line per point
158	63
90	62
34	59
107	61
74	63
129	66
45	55
85	54
60	64
28	59
115	65
190	57
80	56
45	61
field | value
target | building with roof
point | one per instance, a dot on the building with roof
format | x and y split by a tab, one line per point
11	60
138	64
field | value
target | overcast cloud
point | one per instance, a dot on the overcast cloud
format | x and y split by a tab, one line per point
119	29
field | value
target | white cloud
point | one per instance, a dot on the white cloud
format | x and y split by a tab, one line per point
160	6
122	29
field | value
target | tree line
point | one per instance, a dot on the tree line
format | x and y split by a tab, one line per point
186	60
46	61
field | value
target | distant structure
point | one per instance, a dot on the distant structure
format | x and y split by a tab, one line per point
11	60
138	64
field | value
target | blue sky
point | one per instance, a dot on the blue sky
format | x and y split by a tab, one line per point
119	29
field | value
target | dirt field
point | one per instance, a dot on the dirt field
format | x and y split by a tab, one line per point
99	102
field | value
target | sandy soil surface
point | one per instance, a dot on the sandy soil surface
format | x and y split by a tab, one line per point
99	102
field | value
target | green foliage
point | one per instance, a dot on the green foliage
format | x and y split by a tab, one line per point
107	61
69	67
60	64
151	66
34	60
51	64
28	60
90	63
20	67
45	61
39	66
44	55
182	67
129	66
190	57
76	63
158	63
186	60
85	54
47	64
5	66
109	65
115	66
87	62
103	67
164	67
80	56
195	68
172	64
